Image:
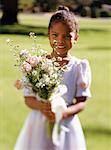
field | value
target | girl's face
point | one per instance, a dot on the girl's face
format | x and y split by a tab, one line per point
61	33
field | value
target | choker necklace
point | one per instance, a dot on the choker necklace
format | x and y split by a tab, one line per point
61	60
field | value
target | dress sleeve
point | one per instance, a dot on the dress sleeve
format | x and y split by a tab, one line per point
27	90
83	79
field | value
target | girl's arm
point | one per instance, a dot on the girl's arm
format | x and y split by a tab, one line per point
43	107
32	103
76	108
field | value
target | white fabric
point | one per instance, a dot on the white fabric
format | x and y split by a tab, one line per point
58	106
34	134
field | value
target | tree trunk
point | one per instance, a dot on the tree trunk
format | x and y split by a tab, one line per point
10	10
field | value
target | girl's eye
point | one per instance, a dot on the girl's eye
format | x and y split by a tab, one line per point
54	35
68	37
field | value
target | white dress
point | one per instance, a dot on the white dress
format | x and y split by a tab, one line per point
33	135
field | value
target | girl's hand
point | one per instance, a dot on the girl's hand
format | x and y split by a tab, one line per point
75	108
43	107
46	110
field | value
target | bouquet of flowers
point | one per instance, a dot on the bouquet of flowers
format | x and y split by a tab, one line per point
39	72
43	75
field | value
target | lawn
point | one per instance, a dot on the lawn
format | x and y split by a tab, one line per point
94	44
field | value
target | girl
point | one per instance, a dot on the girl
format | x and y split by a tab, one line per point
63	28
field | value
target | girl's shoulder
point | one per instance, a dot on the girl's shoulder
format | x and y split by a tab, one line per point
77	61
81	66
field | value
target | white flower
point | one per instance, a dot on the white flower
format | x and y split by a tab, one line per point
47	79
34	72
33	49
24	53
59	58
55	76
31	34
43	52
8	40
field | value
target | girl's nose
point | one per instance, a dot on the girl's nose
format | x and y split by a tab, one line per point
60	38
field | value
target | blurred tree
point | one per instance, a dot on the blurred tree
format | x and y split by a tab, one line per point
106	2
26	5
84	2
47	5
1	1
10	10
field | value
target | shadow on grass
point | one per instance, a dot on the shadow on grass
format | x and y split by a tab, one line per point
100	47
97	30
96	131
39	30
22	29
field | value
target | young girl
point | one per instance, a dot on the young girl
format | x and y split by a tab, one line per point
63	28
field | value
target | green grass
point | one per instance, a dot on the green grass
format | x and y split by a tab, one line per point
94	45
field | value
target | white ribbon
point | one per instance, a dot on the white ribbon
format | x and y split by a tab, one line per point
58	105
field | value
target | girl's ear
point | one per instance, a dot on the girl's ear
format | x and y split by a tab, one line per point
76	37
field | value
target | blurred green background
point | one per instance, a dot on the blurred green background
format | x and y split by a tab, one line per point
93	44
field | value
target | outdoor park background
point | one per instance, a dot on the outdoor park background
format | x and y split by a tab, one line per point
93	44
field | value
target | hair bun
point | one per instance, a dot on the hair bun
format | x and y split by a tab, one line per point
63	8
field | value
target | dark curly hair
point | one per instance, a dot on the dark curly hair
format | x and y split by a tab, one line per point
64	15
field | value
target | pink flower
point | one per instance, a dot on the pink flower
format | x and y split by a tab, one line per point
26	67
33	60
18	84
